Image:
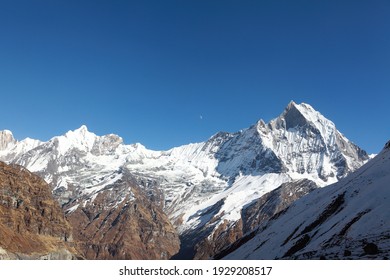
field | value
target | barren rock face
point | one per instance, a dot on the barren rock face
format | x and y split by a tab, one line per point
131	228
32	224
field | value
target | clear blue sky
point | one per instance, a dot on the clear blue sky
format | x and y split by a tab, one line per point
166	73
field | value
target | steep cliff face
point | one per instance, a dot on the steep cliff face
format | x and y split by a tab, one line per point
32	224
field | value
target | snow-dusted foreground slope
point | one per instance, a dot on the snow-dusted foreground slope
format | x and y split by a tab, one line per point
349	219
202	187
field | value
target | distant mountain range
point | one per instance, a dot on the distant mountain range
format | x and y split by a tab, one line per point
194	201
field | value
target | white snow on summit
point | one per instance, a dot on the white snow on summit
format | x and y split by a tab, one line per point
80	138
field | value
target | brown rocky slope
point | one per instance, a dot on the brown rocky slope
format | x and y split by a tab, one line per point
32	224
134	227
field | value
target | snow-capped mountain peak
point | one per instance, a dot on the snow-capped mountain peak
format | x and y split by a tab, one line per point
6	138
81	132
87	142
296	116
80	138
293	116
308	143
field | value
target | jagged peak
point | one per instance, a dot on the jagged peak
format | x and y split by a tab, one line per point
261	123
291	104
292	117
81	132
298	115
79	138
304	108
83	127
